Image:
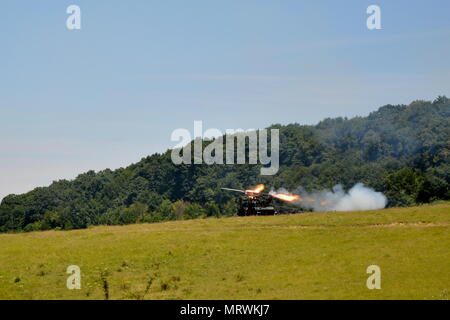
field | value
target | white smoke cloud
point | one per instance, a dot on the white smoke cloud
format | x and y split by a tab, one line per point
358	198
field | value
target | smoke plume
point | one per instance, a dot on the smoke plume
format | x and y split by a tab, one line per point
358	198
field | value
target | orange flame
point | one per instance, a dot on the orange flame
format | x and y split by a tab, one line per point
257	189
287	197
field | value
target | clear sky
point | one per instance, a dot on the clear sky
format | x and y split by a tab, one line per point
111	93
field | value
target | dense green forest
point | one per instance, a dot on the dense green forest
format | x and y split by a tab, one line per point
401	150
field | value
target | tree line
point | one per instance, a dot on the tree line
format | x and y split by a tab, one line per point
400	150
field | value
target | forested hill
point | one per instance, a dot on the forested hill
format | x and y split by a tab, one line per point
401	150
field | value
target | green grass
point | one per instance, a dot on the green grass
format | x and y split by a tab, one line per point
304	256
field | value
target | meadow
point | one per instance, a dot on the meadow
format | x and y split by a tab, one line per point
298	256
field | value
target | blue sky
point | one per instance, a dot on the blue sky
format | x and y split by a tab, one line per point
113	92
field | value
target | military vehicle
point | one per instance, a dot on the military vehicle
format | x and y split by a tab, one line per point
255	202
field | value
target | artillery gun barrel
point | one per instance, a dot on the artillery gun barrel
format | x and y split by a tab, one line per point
235	190
246	192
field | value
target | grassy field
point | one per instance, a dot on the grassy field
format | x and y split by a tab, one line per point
303	256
